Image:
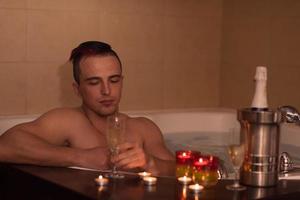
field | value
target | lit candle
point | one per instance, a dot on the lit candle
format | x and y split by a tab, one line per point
184	160
196	188
205	170
144	174
200	162
184	180
149	180
101	181
183	157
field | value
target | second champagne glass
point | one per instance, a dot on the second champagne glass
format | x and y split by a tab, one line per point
236	152
114	136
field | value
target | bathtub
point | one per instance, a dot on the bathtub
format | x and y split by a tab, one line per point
204	129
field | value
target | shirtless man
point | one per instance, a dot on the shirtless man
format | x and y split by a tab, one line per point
76	136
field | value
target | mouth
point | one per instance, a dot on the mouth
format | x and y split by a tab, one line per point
107	103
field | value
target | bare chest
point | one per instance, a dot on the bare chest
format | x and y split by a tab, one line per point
88	136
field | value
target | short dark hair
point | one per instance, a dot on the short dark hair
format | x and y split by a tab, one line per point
90	48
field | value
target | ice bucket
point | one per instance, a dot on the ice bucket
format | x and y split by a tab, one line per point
260	135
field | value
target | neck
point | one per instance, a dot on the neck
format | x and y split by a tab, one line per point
96	119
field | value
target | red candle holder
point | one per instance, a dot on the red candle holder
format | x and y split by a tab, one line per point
205	170
184	162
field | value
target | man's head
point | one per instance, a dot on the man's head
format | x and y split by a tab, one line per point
89	48
98	77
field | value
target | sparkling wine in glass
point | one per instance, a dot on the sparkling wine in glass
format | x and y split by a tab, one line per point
114	136
236	152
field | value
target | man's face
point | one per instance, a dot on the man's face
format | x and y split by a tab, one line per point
100	84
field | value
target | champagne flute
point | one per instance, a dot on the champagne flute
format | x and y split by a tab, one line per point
114	136
236	152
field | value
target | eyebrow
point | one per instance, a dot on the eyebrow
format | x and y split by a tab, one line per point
99	78
92	78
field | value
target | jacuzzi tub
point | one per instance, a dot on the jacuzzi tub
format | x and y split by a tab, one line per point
203	129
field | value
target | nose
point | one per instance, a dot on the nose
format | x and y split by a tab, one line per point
105	89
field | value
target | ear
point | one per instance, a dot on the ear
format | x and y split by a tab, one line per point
76	89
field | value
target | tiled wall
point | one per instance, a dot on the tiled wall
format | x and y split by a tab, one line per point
170	51
176	53
260	32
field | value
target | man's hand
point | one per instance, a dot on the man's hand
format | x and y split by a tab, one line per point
131	155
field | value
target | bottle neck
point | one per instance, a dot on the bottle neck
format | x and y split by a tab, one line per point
260	96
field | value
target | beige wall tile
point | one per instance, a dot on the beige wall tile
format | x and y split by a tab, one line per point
138	38
283	85
13	35
80	5
13	4
285	40
236	85
80	27
202	83
246	39
53	34
13	88
261	34
194	8
143	86
43	90
192	58
67	96
46	36
141	7
190	83
249	8
120	7
174	86
47	5
157	41
190	38
154	7
287	8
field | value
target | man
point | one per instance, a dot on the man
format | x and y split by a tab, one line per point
76	136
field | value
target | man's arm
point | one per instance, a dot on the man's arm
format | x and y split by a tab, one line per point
23	147
41	143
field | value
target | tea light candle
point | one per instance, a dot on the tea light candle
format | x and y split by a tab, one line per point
149	180
196	188
101	181
184	180
144	174
200	162
183	157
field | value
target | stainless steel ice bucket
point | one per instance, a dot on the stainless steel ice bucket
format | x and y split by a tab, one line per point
260	135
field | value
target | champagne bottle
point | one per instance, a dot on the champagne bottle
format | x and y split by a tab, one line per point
259	102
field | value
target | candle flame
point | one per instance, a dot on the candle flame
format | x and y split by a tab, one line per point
100	177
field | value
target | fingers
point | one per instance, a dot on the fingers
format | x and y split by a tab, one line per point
131	162
131	156
127	146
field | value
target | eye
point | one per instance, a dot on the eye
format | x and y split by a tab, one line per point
115	79
93	82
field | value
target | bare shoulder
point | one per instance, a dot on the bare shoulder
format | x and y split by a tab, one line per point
54	125
144	125
151	135
61	115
